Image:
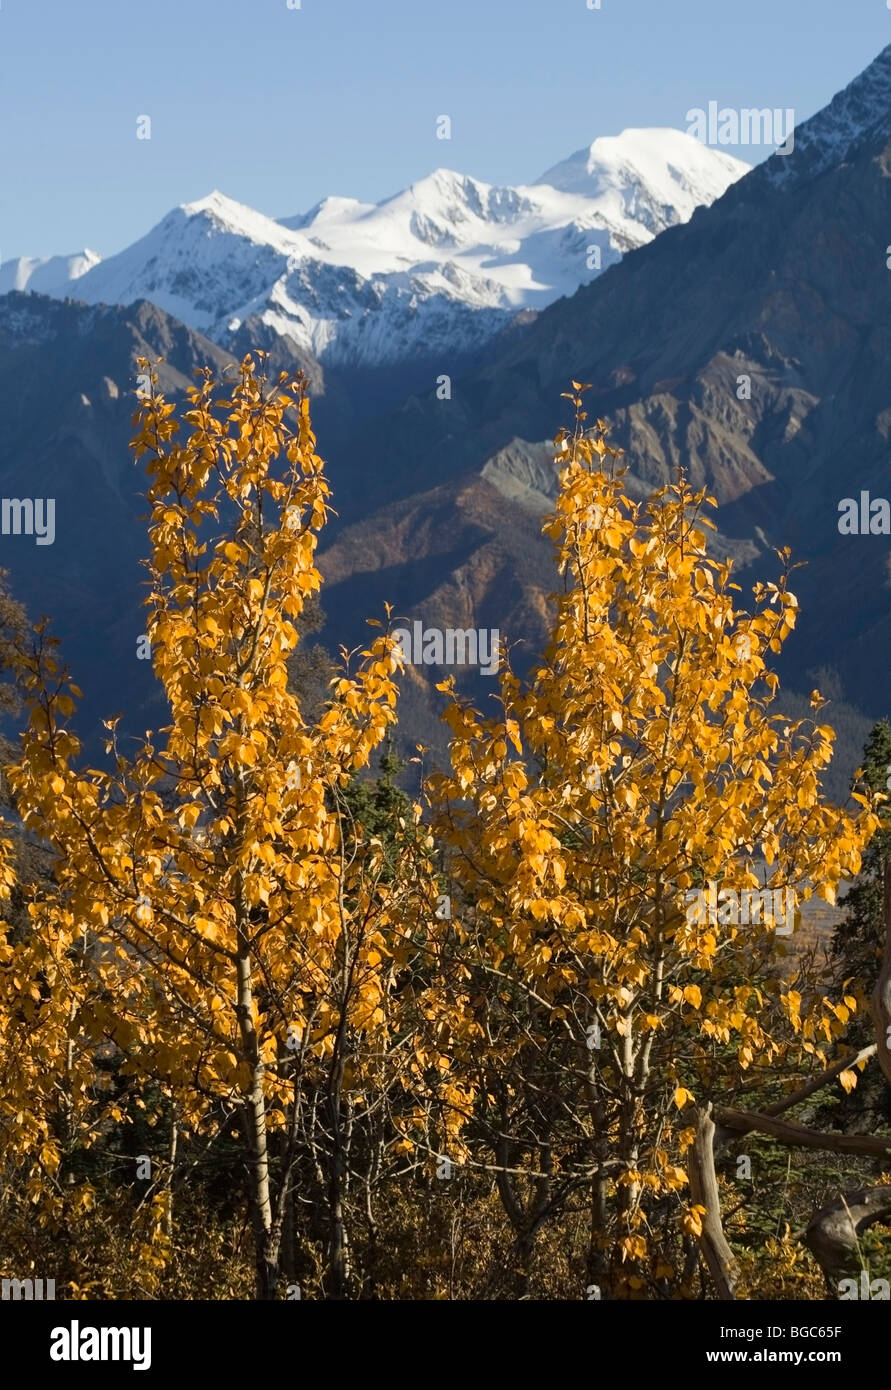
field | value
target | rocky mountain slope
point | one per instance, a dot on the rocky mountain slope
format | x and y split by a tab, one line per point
750	345
67	397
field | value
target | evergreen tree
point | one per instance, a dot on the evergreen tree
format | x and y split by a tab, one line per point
859	939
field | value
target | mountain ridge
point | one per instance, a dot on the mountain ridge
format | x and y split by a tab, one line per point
438	268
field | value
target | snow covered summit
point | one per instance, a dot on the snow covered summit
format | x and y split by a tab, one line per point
47	274
437	268
650	177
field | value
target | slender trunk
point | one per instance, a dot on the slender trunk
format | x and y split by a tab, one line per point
596	1263
171	1168
525	1243
526	1219
373	1234
255	1122
289	1242
267	1233
338	1255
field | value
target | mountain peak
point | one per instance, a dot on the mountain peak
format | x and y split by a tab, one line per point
331	209
675	168
860	111
442	183
445	178
214	201
229	215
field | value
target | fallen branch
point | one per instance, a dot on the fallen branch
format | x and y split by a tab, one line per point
799	1136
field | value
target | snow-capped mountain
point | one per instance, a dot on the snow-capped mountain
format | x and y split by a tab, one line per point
49	275
439	267
648	178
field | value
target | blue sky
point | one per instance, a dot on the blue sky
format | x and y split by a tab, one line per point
278	107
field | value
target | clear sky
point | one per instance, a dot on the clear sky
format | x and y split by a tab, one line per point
278	107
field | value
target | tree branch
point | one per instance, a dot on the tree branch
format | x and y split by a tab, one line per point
799	1136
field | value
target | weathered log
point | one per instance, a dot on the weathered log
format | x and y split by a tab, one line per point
832	1233
704	1191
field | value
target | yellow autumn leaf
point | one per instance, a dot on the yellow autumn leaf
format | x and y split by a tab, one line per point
691	1221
